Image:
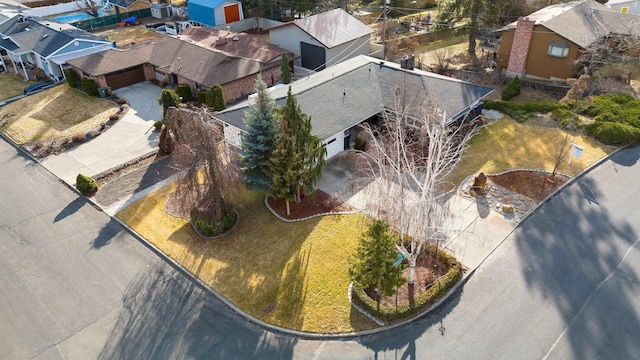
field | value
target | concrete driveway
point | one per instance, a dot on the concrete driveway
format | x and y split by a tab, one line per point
131	137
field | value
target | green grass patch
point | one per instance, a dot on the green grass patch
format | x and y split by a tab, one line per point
293	275
507	144
12	85
58	112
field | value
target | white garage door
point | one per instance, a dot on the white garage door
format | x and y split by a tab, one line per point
334	145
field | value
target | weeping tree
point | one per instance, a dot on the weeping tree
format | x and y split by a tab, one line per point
210	171
405	168
298	156
259	139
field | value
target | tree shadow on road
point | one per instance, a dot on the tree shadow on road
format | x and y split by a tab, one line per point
70	209
573	251
167	316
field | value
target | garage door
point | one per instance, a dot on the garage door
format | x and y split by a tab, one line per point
125	77
313	57
231	13
334	146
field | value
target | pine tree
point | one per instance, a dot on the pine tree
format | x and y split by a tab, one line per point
284	68
372	264
306	153
283	166
259	140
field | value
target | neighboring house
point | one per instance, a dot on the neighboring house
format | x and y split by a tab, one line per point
215	57
214	12
123	6
45	44
624	6
547	43
360	89
323	40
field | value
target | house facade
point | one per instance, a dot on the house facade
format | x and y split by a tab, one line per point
123	6
323	40
214	13
199	57
547	43
624	6
360	89
45	44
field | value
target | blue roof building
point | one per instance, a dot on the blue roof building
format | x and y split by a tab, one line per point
214	12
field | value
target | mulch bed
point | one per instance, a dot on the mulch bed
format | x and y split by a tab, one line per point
319	202
533	184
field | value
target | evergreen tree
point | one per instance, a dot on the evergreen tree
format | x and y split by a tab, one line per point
283	166
218	98
259	139
168	98
284	68
306	155
372	264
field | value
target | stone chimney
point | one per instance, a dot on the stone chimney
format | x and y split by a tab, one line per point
520	47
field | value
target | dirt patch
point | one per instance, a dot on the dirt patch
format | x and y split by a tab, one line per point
532	184
317	203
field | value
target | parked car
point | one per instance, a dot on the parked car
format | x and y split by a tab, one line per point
39	86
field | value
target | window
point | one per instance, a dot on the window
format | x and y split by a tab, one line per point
558	49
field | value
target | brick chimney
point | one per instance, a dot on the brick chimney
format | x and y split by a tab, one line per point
520	47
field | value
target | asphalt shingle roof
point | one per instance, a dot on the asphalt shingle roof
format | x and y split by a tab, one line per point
351	92
582	22
332	28
42	36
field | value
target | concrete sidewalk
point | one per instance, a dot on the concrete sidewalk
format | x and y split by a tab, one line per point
474	231
129	138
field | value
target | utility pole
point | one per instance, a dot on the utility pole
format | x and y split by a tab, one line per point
384	27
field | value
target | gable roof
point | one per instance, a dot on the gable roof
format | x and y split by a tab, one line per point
42	36
351	92
331	28
235	44
582	22
204	65
126	3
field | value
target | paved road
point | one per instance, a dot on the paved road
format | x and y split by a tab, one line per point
564	285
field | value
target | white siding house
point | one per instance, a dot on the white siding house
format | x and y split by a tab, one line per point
323	40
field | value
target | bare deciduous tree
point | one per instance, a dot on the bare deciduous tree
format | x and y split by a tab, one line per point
209	166
90	7
406	164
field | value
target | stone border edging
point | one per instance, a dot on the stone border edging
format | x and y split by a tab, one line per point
459	187
266	203
221	235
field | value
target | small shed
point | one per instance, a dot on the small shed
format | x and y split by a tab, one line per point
159	11
214	13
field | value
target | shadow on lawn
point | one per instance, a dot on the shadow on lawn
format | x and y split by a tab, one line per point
260	266
167	316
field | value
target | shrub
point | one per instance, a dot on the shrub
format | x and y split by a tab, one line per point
512	90
612	133
157	125
79	138
89	86
421	302
168	98
72	78
201	96
215	98
207	227
184	92
522	110
86	185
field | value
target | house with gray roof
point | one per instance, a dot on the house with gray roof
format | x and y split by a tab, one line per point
323	40
46	44
341	97
547	43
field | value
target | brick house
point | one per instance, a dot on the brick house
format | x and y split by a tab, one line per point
199	57
547	43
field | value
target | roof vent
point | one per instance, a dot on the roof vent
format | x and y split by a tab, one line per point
235	38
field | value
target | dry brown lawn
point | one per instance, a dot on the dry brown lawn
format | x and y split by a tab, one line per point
507	144
293	275
58	112
12	85
126	36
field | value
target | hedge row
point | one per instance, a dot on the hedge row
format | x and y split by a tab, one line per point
421	302
512	89
522	110
613	133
